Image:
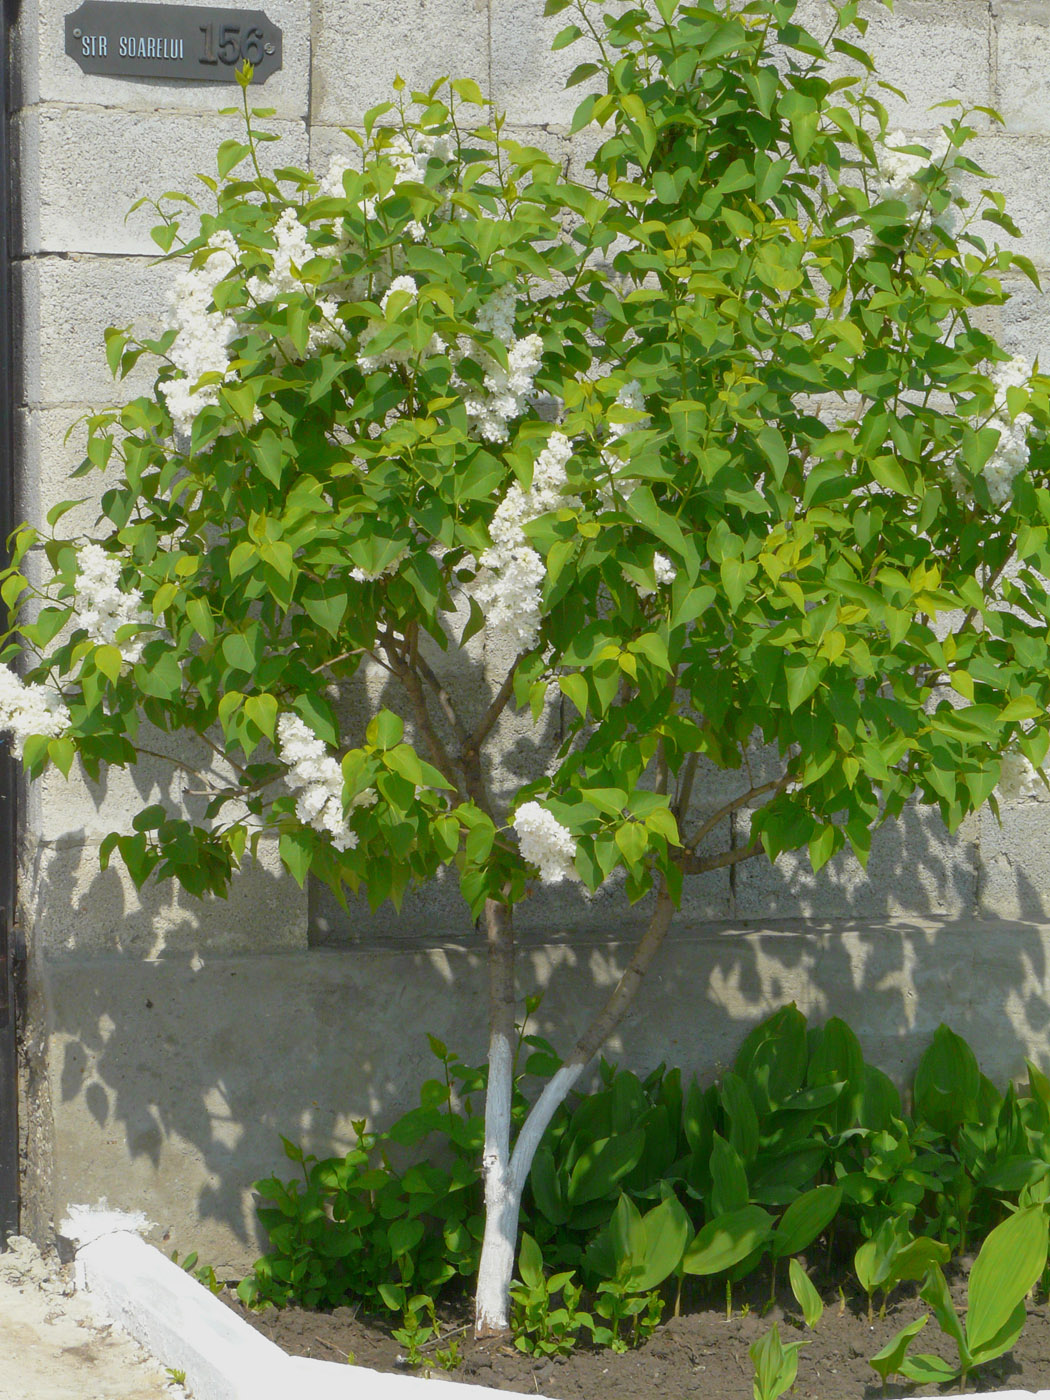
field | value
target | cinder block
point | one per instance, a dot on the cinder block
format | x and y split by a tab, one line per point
930	50
1015	860
67	303
48	75
83	168
1019	166
528	80
1022	35
44	458
179	771
360	48
74	909
1026	320
915	868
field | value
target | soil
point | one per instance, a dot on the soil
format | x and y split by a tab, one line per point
699	1352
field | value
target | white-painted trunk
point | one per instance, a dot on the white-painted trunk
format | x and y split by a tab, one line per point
492	1299
504	1182
496	1270
505	1173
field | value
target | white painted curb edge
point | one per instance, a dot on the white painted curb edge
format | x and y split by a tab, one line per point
224	1358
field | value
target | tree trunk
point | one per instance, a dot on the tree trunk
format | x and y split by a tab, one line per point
504	1173
501	1204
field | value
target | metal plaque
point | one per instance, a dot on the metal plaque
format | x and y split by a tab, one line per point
189	43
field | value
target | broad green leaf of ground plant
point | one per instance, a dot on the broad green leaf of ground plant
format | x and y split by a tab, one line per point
772	1059
947	1082
665	1234
776	1365
806	1296
1008	1265
888	1361
804	1220
601	1165
728	1178
727	1240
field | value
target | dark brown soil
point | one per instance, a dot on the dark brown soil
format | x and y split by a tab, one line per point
699	1353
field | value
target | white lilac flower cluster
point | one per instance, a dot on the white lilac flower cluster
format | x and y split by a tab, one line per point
202	335
27	709
103	607
395	354
509	588
291	254
1017	778
898	173
317	779
665	573
507	388
372	575
410	156
630	397
545	843
1010	456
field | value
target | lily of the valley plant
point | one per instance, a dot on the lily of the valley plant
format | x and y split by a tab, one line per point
705	458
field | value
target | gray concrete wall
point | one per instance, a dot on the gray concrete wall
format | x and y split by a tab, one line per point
169	1042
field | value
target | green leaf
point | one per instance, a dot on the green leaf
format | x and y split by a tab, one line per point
530	1262
887	1361
729	1179
947	1082
297	854
926	1369
61	753
935	1292
602	1164
776	1365
231	153
743	1121
806	1296
1010	1262
575	688
385	730
805	1219
666	1230
109	661
727	1239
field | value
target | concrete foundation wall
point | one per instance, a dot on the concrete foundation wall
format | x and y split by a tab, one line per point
169	1042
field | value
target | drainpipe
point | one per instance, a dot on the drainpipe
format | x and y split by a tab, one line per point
9	1139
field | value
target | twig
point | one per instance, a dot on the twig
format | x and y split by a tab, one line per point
331	1345
452	1332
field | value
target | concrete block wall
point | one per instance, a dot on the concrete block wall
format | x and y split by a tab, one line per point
151	1016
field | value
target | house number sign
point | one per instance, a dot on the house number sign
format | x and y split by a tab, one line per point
190	43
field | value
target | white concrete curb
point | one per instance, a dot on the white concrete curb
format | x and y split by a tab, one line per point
224	1358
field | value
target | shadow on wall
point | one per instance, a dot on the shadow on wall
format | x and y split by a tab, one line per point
175	1064
172	1079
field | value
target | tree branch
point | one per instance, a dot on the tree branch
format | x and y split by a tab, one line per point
684	796
730	807
444	698
493	712
696	865
411	683
602	1026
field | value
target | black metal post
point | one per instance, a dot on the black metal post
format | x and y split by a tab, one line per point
9	1138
